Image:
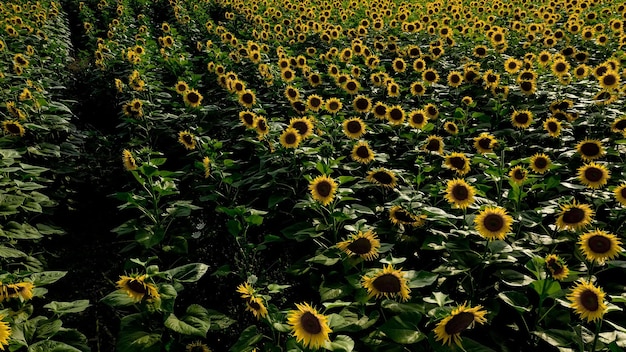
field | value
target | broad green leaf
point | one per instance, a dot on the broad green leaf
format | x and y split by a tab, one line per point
402	329
52	346
182	327
68	307
248	337
516	299
188	273
47	277
341	343
546	288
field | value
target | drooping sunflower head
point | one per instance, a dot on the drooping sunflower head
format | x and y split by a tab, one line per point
354	127
556	266
290	138
308	326
382	177
459	193
128	160
187	139
362	244
587	301
138	288
574	216
387	283
457	162
540	163
590	149
362	153
22	290
13	128
493	223
593	175
599	246
303	125
323	189
197	346
449	329
256	306
399	215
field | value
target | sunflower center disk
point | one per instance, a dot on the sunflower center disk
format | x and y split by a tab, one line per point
460	192
457	162
387	283
621	125
354	127
589	300
137	286
590	149
433	145
573	216
360	246
599	244
310	323
254	305
247	98
323	188
519	174
291	138
493	222
552	127
521	119
395	115
403	216
541	163
459	323
485	143
593	174
361	104
383	178
301	127
12	128
362	152
192	97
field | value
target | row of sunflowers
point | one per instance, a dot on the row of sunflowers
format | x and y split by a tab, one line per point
357	175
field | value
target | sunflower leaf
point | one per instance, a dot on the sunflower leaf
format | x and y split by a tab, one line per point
247	339
189	272
61	308
47	277
402	329
53	346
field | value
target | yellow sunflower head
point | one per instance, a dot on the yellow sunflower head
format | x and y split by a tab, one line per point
137	287
574	216
449	329
333	105
587	301
599	246
590	149
362	153
540	163
418	119
262	128
192	98
553	126
593	175
13	128
354	127
23	290
5	332
323	189
400	216
308	326
187	139
248	118
395	115
303	125
556	266
290	138
128	160
457	162
362	104
459	193
493	223
620	193
485	143
362	244
522	118
387	283
382	177
181	87
256	306
451	128
197	346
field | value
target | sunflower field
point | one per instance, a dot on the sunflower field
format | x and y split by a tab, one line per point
279	175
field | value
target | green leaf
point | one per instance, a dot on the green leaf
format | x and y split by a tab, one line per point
398	307
219	321
325	260
515	299
546	288
52	346
234	227
133	341
47	277
248	337
6	252
68	307
402	329
188	273
341	343
421	278
47	328
182	327
117	299
514	278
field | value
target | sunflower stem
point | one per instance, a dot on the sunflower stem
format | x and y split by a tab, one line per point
595	336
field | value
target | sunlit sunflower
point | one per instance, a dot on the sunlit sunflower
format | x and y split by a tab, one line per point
522	118
430	75
449	328
303	125
290	138
351	86
393	89
256	306
587	301
187	139
417	119
599	246
560	67
137	288
619	125
206	165
467	100
13	128
451	128
383	177
181	87
362	153
380	110
5	332
593	175
432	112
323	189
457	162
485	143
609	80
362	244
512	65
247	98
556	266
24	290
398	65
362	104
620	193
193	98
540	163
590	149
333	105
387	283
246	290
354	127
128	160
455	79
493	223
418	89
308	326
248	118
574	216
314	102
197	346
399	215
395	115
518	175
459	193
553	126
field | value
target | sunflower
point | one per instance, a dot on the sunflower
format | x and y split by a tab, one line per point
560	67
308	326
24	290
398	65
419	65
248	118
13	128
354	128
387	283
197	346
247	98
557	267
574	216
256	306
430	75
620	193
455	79
383	177
262	128
181	87
480	51
459	193
449	328
619	125
351	86
587	301
192	98
314	102
593	175
333	105
323	189
457	162
518	175
553	126
395	115
129	160
20	60
362	153
451	128
206	165
493	223
590	149
417	119
246	290
540	163
290	138
599	246
398	216
485	143
187	139
362	104
393	89
417	89
512	65
5	332
364	245
292	93
522	118
137	288
288	75
431	111
380	110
